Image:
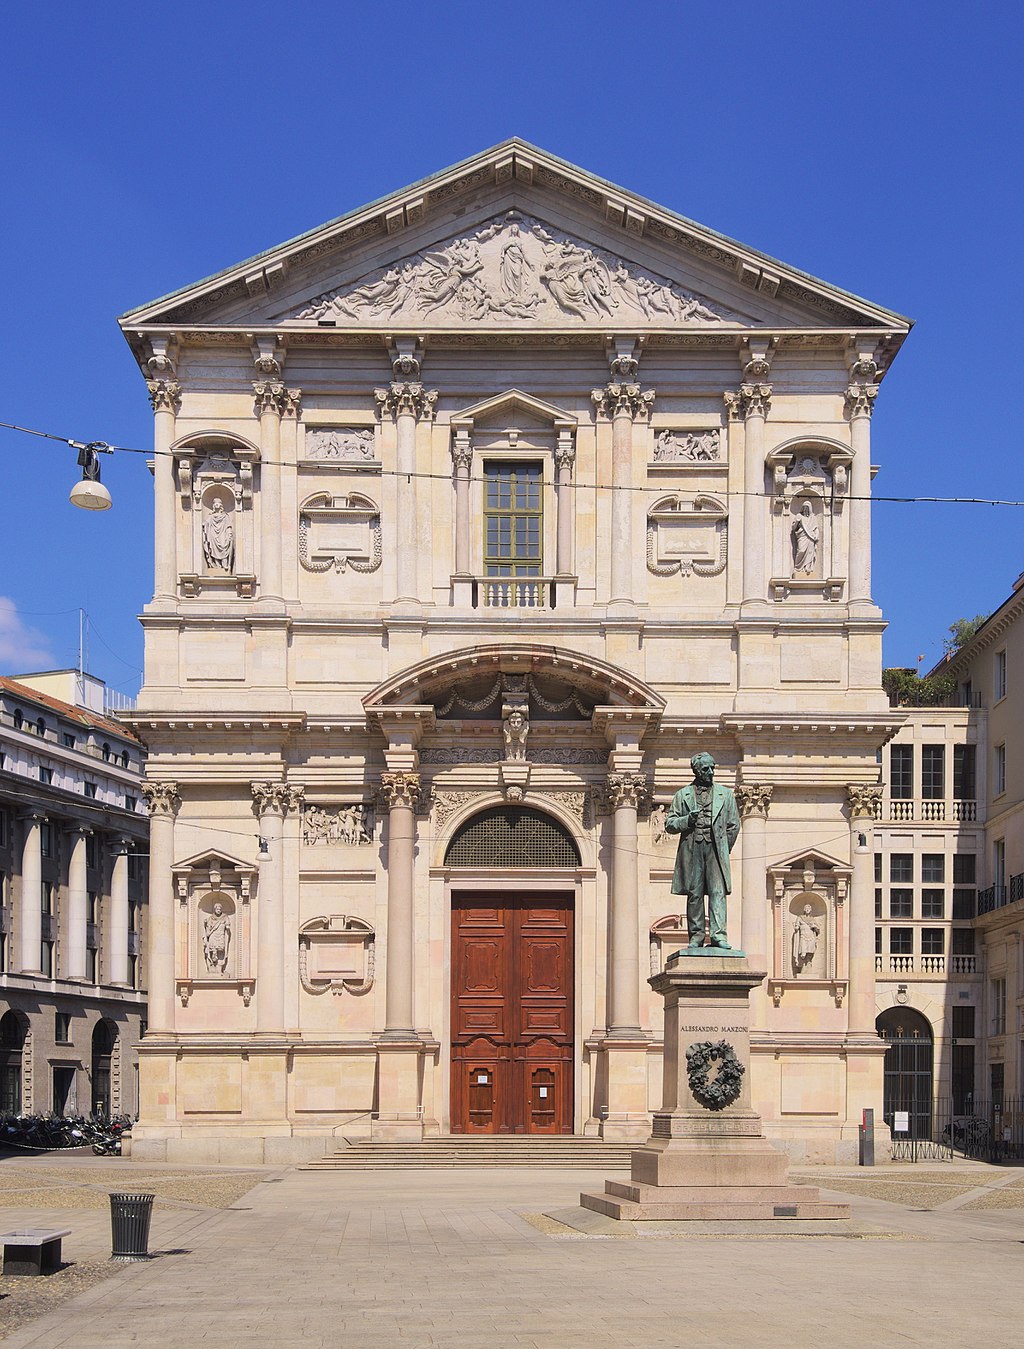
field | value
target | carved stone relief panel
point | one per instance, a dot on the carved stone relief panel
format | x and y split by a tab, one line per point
351	825
516	269
340	444
340	532
337	954
689	447
687	537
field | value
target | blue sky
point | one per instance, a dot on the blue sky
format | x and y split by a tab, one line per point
876	146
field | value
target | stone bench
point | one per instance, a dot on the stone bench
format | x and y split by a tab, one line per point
33	1250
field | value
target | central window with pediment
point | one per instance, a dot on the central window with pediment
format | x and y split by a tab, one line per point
513	530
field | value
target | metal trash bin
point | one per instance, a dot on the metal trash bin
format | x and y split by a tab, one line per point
129	1226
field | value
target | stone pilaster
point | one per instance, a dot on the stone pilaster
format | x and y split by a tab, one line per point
751	403
272	400
164	803
117	931
860	402
271	802
623	403
753	800
863	800
165	399
408	403
78	906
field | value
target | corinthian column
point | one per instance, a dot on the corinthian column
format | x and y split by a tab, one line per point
751	402
626	791
863	801
78	906
31	916
407	402
164	398
271	400
399	792
117	933
623	403
860	401
271	801
164	802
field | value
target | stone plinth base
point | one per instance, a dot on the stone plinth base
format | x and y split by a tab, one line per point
704	1203
707	1159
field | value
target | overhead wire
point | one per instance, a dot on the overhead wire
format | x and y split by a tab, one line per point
573	485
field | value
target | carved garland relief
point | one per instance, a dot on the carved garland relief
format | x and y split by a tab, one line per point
687	538
340	532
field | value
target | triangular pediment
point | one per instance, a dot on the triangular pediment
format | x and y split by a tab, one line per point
516	406
810	859
513	240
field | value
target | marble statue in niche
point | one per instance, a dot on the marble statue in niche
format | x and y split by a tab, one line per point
218	538
514	267
216	939
806	931
805	534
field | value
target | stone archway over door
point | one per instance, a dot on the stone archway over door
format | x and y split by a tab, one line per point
512	1013
909	1063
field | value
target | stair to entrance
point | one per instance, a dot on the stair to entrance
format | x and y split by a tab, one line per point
461	1150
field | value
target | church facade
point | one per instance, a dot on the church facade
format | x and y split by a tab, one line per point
479	512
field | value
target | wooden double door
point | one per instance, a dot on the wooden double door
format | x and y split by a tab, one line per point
512	1014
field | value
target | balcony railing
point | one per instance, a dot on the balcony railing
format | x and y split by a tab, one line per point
994	897
963	964
514	592
933	964
904	808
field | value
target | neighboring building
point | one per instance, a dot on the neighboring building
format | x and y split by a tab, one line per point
929	855
73	884
478	512
989	670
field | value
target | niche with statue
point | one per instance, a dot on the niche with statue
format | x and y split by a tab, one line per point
809	489
810	945
215	484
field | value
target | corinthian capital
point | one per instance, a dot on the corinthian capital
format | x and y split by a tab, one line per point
162	798
749	400
754	798
565	450
400	790
268	396
618	399
860	399
864	800
407	397
627	789
462	451
275	798
164	395
291	401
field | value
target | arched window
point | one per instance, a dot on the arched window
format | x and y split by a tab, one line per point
125	759
512	836
105	751
40	727
19	719
909	1060
104	1039
12	1043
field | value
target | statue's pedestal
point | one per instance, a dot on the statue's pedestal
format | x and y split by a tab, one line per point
705	1159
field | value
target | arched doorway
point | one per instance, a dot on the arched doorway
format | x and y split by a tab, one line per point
12	1045
512	1030
104	1041
909	1064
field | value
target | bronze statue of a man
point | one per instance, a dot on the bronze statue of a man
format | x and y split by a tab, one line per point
707	822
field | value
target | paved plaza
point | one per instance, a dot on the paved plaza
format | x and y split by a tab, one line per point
933	1256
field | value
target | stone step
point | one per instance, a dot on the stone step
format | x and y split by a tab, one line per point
434	1153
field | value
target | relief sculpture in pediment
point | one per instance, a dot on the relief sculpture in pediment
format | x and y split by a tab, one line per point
515	268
